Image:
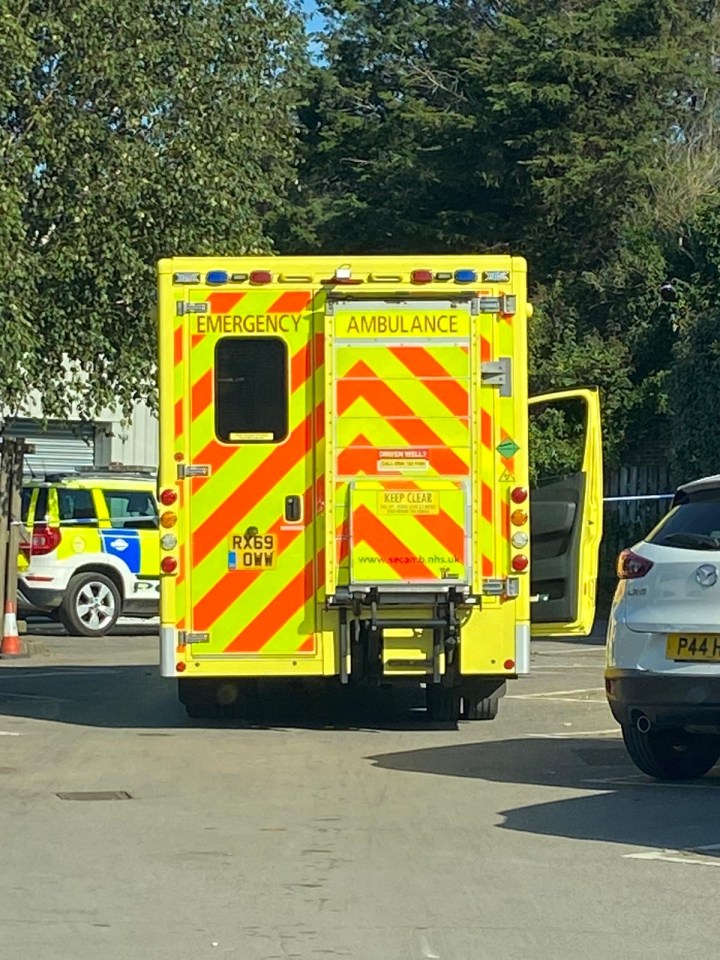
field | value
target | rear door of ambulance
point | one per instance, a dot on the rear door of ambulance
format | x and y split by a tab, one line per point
566	511
245	433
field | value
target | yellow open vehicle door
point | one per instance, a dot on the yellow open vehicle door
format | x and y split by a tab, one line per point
566	513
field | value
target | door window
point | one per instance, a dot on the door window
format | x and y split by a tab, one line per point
76	507
131	509
251	390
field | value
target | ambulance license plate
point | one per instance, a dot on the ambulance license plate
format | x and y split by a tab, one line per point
701	647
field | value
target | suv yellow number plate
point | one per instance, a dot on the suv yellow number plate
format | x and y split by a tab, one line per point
694	646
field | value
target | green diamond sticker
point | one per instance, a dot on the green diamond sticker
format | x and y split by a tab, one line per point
507	449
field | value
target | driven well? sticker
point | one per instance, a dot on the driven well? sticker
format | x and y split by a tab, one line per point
252	551
415	502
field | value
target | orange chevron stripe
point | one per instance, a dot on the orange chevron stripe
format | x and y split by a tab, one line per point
293	301
178	418
487	566
441	526
377	536
202	394
178	345
486	429
239	503
435	378
230	587
487	503
276	614
223	302
505	520
485	350
387	404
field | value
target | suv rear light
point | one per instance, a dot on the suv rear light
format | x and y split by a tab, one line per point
45	539
631	566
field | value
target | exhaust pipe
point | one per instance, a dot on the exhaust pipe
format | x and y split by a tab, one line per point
643	724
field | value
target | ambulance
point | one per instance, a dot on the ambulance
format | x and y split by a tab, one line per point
344	484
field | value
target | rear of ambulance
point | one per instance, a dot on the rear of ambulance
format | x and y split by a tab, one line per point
426	473
343	477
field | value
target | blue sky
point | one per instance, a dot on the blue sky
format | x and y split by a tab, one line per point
310	7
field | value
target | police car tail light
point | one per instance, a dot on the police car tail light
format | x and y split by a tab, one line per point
631	566
168	497
168	565
45	539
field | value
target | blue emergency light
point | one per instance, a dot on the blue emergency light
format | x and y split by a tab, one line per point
465	276
216	276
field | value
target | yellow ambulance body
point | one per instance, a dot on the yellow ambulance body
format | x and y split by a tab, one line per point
344	486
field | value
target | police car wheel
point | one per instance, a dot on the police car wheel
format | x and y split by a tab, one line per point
91	606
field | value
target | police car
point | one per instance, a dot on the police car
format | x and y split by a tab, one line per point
91	553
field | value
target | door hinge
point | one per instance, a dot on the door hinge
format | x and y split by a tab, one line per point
187	636
505	304
186	470
185	306
498	373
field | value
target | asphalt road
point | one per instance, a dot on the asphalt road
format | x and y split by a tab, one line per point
337	831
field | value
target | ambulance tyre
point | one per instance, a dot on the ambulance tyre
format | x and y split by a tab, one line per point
91	606
443	703
485	709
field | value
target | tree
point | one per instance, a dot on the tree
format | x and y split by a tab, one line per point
541	126
129	131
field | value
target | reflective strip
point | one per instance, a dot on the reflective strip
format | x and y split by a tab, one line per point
168	651
522	648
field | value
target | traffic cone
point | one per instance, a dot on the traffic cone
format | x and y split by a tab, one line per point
10	645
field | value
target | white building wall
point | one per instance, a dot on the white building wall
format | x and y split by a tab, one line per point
134	444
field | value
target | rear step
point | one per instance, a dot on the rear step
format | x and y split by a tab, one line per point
445	632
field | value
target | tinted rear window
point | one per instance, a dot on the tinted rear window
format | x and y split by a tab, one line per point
251	390
693	524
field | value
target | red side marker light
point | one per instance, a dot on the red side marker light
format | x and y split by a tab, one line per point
180	667
168	564
519	495
421	276
168	497
260	276
520	563
509	664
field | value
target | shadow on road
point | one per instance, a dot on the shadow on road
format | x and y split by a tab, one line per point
135	696
631	809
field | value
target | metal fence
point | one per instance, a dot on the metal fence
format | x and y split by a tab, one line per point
636	498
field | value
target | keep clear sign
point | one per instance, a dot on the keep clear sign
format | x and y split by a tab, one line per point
252	551
396	502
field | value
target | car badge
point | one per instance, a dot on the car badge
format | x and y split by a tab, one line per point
706	575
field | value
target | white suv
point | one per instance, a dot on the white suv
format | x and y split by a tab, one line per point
663	652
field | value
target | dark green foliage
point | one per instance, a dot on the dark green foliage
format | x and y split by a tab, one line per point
579	134
129	131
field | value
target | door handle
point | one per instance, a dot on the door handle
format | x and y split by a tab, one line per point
293	509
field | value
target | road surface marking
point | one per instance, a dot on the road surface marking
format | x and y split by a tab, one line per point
30	673
640	781
680	856
570	734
